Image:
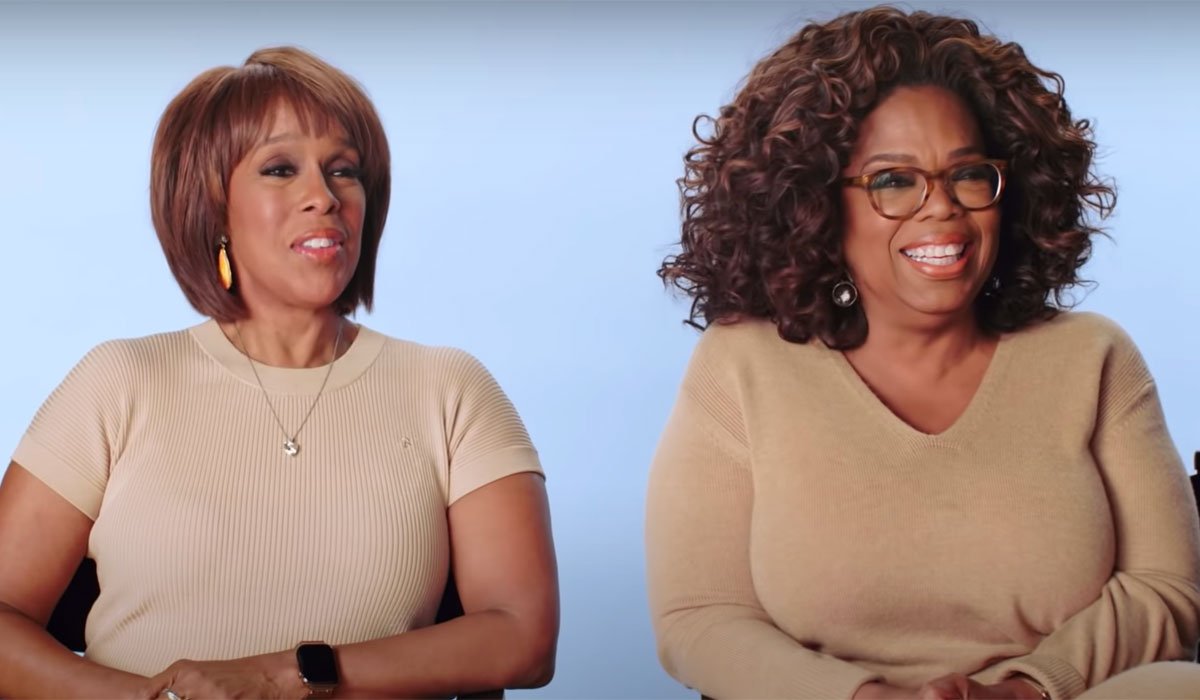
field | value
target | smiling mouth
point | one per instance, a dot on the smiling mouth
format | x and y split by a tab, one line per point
319	243
937	255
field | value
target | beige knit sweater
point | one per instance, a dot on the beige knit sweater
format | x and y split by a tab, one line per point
211	543
802	539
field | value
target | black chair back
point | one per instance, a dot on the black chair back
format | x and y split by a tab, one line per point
1196	479
70	615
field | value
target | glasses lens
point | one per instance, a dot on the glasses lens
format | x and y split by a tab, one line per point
976	186
898	192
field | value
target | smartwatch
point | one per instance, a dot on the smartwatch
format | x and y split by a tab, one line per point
318	668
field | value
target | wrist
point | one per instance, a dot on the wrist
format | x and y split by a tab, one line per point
1025	687
121	684
876	690
283	672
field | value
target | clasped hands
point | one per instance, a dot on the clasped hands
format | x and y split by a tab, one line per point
952	686
264	676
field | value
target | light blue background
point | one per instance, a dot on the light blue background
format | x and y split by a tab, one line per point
535	149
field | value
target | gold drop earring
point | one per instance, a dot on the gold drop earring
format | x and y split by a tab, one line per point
224	269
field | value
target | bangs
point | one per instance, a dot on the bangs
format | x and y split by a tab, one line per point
220	117
252	96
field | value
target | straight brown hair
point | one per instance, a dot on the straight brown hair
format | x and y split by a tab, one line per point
214	122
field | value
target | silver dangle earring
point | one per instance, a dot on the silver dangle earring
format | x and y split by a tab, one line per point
845	294
992	287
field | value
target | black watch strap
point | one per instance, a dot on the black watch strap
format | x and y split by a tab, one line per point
317	664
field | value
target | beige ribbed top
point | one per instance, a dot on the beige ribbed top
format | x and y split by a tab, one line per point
802	539
211	543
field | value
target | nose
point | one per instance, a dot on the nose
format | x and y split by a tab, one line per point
318	197
939	204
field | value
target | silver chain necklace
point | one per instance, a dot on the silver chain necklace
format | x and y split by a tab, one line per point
291	448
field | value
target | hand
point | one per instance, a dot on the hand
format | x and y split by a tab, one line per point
953	686
266	676
878	690
956	686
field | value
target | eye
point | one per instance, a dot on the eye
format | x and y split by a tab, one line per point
348	172
979	172
281	170
892	180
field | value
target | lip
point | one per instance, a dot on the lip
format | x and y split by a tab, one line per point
942	272
942	239
320	254
338	237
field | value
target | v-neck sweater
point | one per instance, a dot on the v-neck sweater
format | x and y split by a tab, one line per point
211	543
803	540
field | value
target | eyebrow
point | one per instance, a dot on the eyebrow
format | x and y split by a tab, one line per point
910	160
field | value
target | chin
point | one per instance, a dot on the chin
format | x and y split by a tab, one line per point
943	307
315	302
319	296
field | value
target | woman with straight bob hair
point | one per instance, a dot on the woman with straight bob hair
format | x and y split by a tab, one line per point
898	467
274	498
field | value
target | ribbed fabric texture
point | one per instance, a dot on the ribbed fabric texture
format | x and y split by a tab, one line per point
803	540
212	543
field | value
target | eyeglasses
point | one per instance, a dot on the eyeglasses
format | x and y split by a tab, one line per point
899	193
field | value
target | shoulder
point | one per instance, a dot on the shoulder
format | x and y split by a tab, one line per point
465	393
444	364
733	362
127	357
1087	351
427	358
750	332
1080	333
113	375
753	342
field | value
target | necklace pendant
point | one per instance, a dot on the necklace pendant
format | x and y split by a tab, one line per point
290	447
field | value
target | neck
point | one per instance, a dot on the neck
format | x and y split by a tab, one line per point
293	341
928	348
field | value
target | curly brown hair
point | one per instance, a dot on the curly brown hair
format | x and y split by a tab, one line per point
762	226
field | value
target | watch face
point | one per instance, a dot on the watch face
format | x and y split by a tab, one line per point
317	665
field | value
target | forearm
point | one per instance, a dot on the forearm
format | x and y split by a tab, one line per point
729	651
713	633
1138	619
33	664
479	651
1149	610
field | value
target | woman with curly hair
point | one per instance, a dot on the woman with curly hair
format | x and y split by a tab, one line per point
897	466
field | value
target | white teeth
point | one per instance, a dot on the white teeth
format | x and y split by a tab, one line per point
937	261
319	243
937	254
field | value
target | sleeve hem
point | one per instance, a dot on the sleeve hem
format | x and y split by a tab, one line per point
1058	677
835	687
491	467
59	476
